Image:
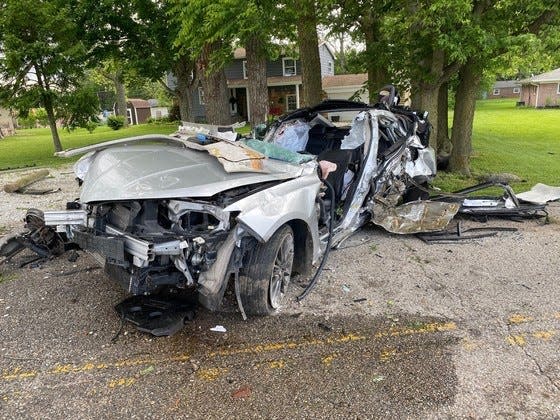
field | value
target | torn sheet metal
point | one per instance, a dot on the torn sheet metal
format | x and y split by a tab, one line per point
190	129
148	138
415	217
236	157
540	194
459	234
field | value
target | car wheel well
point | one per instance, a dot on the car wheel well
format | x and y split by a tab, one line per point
303	246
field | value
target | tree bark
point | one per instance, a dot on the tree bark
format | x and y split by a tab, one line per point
309	53
443	141
256	80
184	71
118	81
46	96
470	76
427	92
378	75
49	108
215	89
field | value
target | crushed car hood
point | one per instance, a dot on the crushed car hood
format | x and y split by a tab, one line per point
157	172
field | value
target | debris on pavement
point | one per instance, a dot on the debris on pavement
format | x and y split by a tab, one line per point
540	194
219	328
460	234
25	180
156	315
505	206
243	392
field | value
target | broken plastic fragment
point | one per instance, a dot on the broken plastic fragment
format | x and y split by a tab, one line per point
218	328
540	194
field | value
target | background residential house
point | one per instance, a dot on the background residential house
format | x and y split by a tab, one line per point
283	79
541	90
504	89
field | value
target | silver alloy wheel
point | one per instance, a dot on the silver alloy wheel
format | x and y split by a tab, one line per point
281	271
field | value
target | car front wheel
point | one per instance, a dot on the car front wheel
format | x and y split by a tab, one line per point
265	280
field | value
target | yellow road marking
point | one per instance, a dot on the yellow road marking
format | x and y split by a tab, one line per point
327	360
522	319
121	382
65	369
544	335
211	374
277	364
516	340
519	319
521	339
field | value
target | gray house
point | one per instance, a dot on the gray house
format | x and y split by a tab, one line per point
283	79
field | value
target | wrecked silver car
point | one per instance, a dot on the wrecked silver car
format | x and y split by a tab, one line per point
201	209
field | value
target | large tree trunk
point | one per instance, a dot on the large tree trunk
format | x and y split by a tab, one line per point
118	81
427	92
49	108
309	53
378	75
183	69
256	80
215	89
443	141
470	76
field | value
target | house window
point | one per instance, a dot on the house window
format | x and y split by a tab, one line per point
330	69
201	96
244	69
289	66
496	92
558	88
291	103
516	90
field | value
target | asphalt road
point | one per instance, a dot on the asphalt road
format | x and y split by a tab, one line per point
395	329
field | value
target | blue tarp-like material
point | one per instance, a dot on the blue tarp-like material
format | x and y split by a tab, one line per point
274	151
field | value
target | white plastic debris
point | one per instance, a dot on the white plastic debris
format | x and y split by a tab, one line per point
219	328
540	194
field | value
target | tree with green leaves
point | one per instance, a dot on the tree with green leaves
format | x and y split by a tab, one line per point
41	57
209	30
500	26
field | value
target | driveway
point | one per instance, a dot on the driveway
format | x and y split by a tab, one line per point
395	328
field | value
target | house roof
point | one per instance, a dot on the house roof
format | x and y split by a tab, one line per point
340	80
139	103
270	81
550	76
503	84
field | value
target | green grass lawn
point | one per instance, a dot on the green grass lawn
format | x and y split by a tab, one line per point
521	141
34	147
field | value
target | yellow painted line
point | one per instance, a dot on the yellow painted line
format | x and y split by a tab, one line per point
516	340
277	364
544	335
327	360
521	339
121	382
387	354
519	319
211	374
66	369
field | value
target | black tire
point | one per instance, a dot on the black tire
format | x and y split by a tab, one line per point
265	279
